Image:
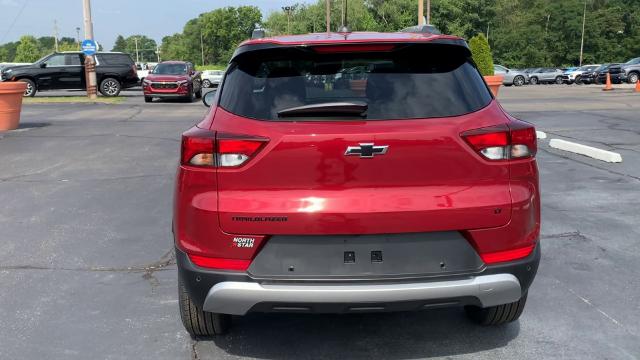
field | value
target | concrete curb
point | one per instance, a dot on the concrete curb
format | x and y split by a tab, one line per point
592	152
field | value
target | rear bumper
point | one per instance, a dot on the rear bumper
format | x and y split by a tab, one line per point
165	95
238	298
237	293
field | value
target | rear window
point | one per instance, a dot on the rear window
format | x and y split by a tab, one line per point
419	81
115	59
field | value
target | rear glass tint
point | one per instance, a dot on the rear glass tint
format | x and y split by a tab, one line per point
419	81
115	59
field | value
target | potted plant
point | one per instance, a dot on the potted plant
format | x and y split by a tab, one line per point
481	53
11	104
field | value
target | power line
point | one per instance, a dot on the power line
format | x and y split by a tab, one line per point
15	20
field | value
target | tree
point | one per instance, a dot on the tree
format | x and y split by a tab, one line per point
27	51
481	53
120	44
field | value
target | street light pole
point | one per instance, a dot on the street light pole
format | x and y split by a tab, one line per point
428	12
420	12
135	40
328	16
89	62
78	36
202	46
584	20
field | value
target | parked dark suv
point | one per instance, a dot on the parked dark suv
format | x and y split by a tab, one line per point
65	71
407	187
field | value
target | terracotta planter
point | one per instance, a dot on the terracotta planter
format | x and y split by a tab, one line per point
11	104
494	83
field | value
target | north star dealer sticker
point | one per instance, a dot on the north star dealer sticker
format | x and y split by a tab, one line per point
243	242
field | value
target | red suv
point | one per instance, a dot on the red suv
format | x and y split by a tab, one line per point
358	172
173	79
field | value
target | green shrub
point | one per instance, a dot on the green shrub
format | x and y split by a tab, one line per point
210	67
481	53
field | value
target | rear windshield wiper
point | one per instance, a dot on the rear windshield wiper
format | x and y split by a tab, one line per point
351	108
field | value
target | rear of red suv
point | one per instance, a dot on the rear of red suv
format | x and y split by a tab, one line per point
349	173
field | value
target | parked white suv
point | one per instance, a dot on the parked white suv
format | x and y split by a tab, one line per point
212	78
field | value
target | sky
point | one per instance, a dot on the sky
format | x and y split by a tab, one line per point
154	18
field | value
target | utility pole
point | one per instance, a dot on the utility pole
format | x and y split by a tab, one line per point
158	52
55	34
288	10
584	20
420	12
135	40
328	16
488	24
428	12
78	36
89	62
202	46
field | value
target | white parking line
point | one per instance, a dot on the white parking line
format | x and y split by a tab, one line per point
592	152
541	134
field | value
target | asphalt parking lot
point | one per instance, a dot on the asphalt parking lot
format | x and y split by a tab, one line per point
87	269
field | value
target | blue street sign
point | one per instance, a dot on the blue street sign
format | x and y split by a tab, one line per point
89	47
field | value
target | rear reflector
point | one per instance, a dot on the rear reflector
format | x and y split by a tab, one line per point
220	264
517	140
508	255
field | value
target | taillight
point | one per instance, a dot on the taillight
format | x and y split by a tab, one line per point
201	148
235	150
517	140
198	148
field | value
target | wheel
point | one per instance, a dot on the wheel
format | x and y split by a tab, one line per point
518	81
31	88
534	81
633	78
148	99
198	322
206	83
578	80
497	315
559	80
110	87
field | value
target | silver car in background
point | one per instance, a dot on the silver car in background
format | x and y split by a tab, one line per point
547	76
511	77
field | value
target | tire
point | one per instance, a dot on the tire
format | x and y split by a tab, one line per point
198	322
578	80
559	80
518	81
110	87
633	78
534	81
206	83
191	97
148	99
31	88
497	315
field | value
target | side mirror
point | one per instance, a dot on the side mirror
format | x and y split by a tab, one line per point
43	65
508	71
209	97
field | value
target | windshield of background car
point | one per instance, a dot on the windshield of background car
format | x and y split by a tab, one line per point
418	81
170	69
633	61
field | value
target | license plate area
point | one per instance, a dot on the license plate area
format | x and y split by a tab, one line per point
390	255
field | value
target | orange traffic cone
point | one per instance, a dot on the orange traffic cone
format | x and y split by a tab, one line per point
608	87
638	86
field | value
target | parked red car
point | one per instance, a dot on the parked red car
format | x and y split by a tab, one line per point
173	79
408	188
